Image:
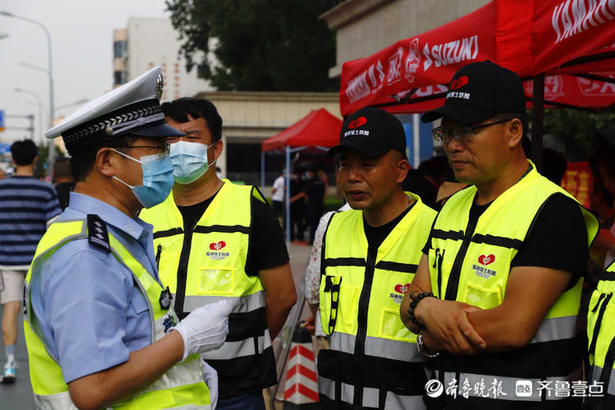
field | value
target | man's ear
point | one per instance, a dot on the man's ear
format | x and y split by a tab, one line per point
514	133
404	168
106	163
218	149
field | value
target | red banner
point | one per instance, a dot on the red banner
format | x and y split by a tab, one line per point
576	91
529	37
563	30
579	181
420	62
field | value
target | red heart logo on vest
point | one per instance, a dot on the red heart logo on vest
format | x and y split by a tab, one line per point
217	246
357	122
399	288
486	260
459	82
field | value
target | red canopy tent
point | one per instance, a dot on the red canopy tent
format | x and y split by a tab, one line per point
319	129
565	46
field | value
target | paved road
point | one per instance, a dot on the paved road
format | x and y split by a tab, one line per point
18	396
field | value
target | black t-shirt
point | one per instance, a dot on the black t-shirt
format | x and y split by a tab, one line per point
267	246
557	238
377	234
315	191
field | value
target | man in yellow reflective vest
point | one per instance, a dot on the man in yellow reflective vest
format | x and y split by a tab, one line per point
497	292
98	323
215	240
601	337
370	255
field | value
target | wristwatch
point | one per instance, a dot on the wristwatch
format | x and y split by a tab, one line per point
420	345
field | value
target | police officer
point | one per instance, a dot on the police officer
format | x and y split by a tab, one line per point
98	322
497	292
215	240
370	255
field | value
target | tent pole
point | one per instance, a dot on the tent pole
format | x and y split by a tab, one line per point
537	119
287	188
416	141
262	169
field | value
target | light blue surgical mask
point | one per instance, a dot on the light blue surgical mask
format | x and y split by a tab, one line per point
157	179
189	161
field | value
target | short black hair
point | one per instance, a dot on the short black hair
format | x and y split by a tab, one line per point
82	161
553	166
197	108
61	167
24	152
436	167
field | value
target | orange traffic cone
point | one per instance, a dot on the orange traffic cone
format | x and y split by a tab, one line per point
301	386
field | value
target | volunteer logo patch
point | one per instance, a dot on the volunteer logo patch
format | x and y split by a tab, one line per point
216	251
481	269
400	291
356	123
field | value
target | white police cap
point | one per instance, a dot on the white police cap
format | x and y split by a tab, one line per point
133	108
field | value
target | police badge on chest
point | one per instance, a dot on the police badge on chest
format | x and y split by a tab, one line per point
165	298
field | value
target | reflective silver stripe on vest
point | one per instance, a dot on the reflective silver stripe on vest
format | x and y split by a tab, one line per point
246	347
500	387
62	401
247	303
371	396
374	346
557	328
54	401
326	386
595	374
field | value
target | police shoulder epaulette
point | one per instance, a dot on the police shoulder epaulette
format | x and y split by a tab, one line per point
97	233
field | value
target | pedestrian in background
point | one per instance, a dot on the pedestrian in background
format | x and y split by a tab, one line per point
27	207
278	192
63	179
315	196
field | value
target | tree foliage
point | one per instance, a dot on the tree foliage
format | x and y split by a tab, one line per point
577	128
258	45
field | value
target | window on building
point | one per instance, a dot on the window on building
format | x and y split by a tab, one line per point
119	49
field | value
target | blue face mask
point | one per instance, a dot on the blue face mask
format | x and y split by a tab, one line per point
157	179
189	161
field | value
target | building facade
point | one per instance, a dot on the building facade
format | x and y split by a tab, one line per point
149	42
364	27
249	117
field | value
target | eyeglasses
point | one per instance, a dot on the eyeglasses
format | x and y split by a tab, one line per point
462	134
164	149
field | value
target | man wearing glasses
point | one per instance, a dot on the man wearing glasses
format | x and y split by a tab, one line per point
98	322
497	291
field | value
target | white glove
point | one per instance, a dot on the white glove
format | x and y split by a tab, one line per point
210	375
206	327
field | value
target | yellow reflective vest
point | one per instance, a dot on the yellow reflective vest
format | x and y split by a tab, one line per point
206	263
373	361
180	387
601	337
473	267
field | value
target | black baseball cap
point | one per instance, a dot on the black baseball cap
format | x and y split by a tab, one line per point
371	132
479	91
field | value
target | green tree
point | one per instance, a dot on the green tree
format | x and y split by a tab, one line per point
259	45
577	128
